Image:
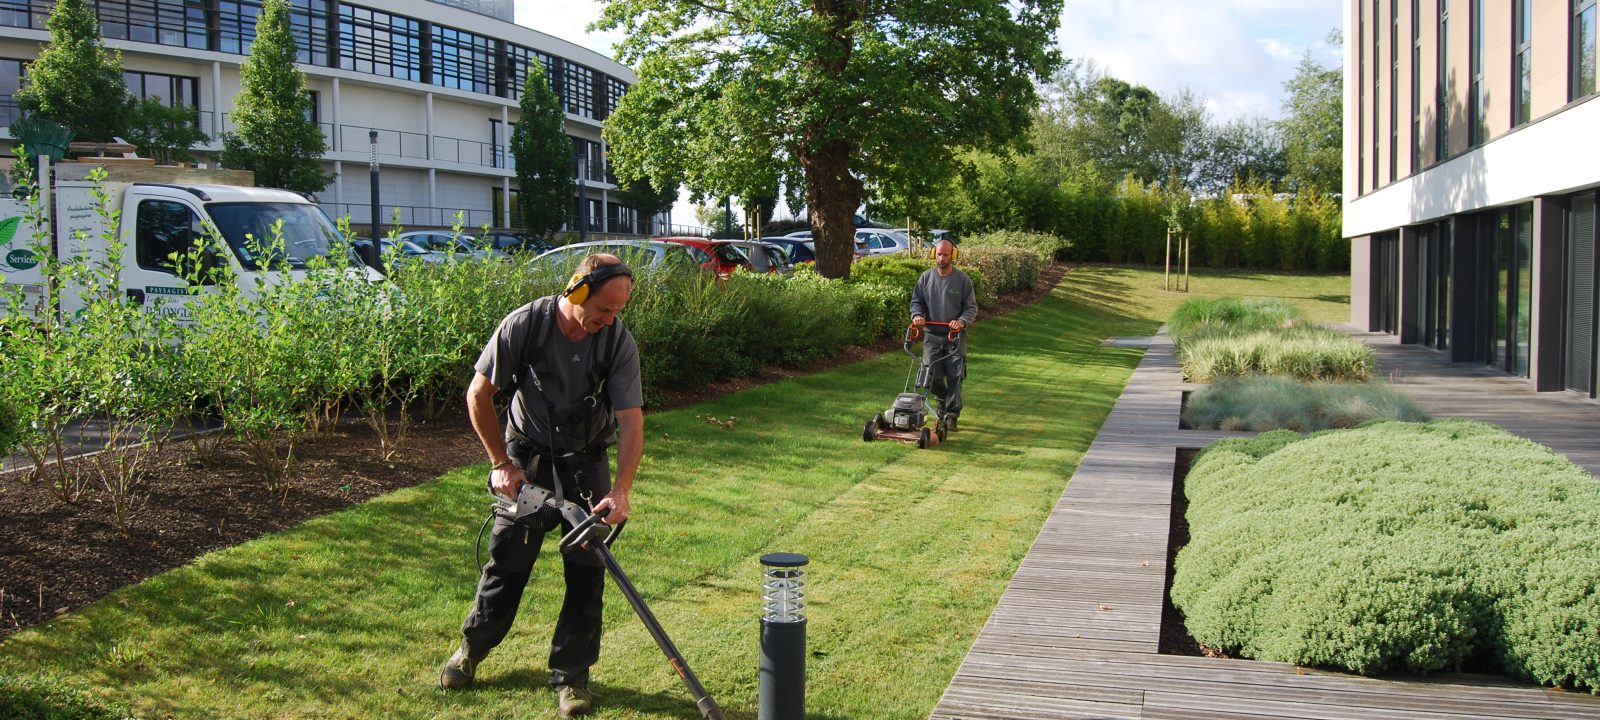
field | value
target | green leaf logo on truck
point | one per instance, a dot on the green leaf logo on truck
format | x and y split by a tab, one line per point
19	258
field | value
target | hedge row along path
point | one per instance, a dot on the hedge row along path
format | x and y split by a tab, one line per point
1078	631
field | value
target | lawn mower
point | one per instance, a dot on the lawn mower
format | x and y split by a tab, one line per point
907	418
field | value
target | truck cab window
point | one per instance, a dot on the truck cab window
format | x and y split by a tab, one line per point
164	227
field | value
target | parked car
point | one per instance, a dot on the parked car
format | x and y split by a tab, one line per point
764	258
798	250
446	243
406	247
931	236
804	234
722	257
640	254
883	242
509	241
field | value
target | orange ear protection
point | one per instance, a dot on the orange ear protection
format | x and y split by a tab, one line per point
581	283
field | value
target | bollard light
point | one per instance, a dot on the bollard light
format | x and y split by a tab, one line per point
782	687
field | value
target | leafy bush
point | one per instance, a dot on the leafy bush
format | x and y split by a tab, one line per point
1047	246
1396	547
45	698
1263	403
1005	270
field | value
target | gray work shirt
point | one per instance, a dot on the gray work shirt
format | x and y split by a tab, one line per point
942	298
564	369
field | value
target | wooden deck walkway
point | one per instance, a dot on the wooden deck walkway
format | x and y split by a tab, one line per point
1076	633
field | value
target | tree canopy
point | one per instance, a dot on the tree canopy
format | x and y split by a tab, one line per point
275	136
736	97
75	81
543	154
1313	129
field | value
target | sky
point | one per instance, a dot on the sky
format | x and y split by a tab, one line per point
1235	54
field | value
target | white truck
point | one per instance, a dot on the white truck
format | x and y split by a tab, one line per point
162	211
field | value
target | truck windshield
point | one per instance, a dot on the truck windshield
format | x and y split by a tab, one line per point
247	227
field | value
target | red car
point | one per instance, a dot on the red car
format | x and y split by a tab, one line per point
722	257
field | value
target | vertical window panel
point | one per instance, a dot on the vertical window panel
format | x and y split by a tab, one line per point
1582	63
378	43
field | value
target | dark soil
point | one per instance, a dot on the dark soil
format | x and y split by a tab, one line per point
1175	637
56	557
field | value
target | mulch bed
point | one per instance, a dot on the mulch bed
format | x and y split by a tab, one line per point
56	557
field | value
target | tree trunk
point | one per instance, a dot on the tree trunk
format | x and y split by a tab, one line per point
832	194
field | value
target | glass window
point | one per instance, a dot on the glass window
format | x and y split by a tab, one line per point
517	59
248	228
10	81
163	228
462	60
378	43
1477	126
308	19
25	13
174	90
580	90
615	89
1441	113
1394	89
181	23
1521	62
1583	48
1416	85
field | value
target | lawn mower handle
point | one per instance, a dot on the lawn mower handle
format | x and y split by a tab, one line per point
913	332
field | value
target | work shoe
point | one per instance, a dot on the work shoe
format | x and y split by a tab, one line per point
950	423
458	671
573	701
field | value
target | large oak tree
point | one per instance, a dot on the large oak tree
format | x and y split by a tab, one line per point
824	95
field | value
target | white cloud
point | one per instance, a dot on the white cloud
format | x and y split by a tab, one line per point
1235	53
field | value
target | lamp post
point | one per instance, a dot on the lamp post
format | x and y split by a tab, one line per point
583	199
782	686
372	168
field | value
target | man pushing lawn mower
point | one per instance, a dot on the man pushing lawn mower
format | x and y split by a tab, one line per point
944	296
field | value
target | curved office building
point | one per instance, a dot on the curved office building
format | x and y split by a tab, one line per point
438	81
1470	181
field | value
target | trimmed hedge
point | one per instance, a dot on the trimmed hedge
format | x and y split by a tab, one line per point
45	698
1047	246
1261	403
1396	547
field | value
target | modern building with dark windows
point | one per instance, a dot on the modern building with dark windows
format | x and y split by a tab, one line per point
439	81
1471	162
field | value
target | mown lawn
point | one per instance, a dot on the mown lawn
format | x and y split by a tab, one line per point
349	615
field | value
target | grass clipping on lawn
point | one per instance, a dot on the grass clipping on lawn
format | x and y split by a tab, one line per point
1396	547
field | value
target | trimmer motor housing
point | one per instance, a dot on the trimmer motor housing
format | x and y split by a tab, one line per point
908	412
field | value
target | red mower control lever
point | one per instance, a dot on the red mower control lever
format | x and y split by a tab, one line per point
913	332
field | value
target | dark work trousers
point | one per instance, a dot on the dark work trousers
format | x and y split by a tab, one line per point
947	367
513	548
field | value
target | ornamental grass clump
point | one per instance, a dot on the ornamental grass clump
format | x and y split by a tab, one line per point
1396	547
1230	315
1269	402
1306	352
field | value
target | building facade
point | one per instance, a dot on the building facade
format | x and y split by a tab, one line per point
438	81
1471	164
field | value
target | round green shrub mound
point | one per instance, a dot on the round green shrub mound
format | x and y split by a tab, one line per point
1396	547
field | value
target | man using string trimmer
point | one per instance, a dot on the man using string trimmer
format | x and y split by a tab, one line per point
574	369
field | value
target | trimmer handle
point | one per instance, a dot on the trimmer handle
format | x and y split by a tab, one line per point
587	530
913	332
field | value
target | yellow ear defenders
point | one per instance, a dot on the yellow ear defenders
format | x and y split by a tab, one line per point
581	283
933	252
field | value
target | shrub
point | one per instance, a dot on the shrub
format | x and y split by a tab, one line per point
1281	403
1396	547
1005	270
1047	246
46	698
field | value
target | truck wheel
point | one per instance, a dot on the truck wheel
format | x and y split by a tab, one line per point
925	439
871	431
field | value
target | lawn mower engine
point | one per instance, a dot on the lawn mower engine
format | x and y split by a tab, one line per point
908	412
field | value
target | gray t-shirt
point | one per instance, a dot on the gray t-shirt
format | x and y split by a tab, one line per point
563	370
